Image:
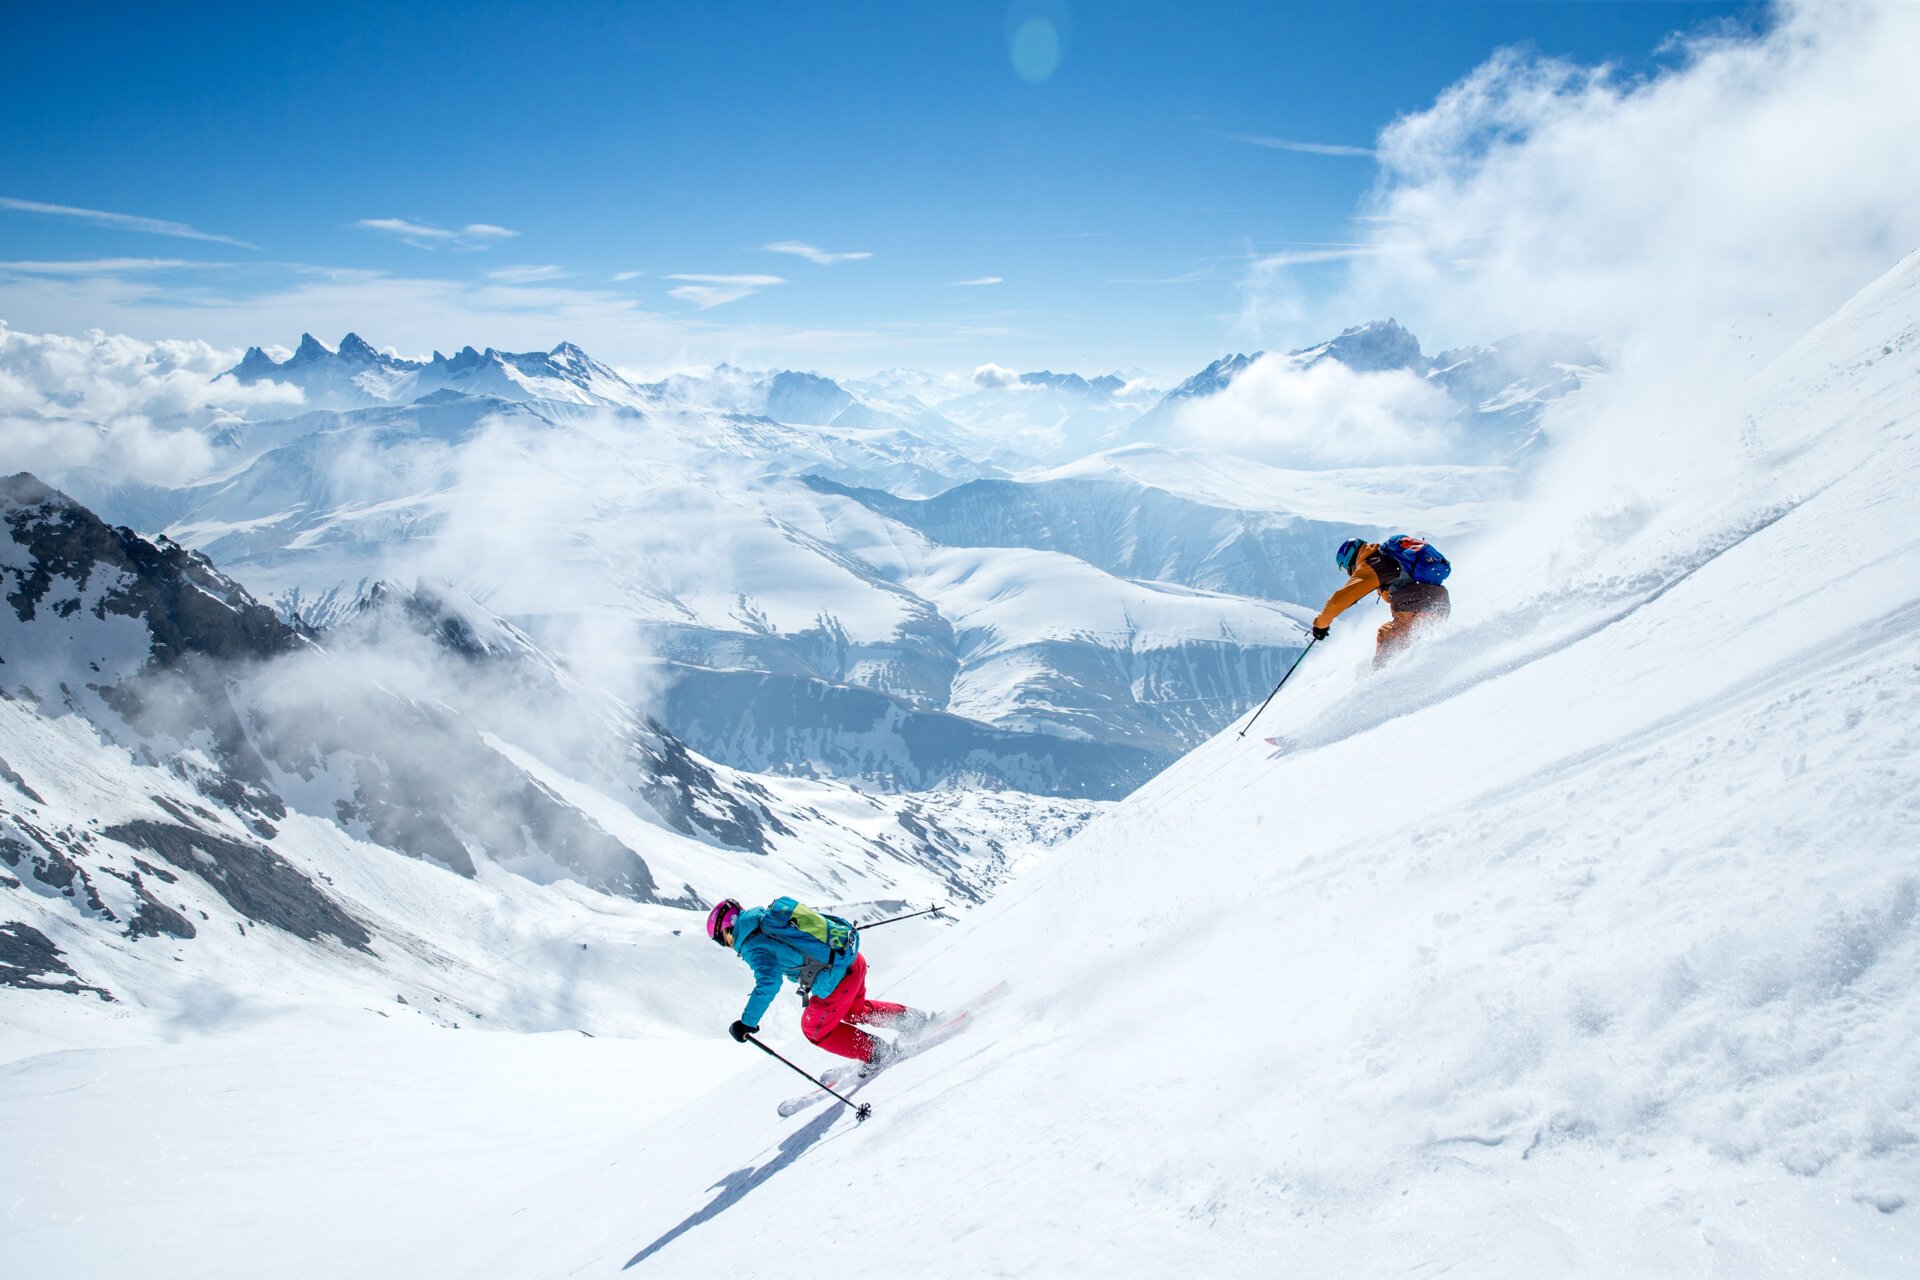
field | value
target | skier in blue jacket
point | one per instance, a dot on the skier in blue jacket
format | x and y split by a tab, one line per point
835	992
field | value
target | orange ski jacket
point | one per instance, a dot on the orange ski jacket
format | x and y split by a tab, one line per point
1374	570
1365	581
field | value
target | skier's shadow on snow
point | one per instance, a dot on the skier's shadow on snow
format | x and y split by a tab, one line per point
734	1187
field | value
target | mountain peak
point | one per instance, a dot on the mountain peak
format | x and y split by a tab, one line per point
254	365
1373	347
309	350
354	348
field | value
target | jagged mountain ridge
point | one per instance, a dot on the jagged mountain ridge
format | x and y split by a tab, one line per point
354	374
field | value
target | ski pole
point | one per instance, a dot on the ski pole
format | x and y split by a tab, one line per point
930	911
861	1110
1276	689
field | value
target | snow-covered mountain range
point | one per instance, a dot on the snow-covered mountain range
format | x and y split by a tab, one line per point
896	579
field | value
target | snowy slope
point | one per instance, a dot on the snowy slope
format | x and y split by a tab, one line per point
1619	975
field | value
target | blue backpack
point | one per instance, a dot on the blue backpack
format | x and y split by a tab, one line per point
814	934
1419	559
828	942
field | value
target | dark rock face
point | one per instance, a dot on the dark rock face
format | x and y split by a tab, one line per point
54	865
155	918
255	881
188	606
687	794
30	961
423	612
19	783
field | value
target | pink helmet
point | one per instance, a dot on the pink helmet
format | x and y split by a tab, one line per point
722	917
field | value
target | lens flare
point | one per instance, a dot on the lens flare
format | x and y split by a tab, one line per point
1035	50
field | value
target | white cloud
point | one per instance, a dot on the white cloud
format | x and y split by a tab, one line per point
993	377
971	284
820	257
1324	416
99	266
425	235
120	221
1308	148
527	274
1736	197
134	409
622	276
711	291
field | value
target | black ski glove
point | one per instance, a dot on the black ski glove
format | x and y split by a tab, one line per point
1319	633
740	1031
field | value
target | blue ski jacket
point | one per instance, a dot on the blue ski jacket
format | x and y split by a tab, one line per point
773	960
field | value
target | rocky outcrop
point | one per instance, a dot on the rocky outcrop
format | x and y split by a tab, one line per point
255	881
29	960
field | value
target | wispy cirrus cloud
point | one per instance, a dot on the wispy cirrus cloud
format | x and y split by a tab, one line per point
425	235
235	309
100	266
527	274
621	277
975	283
120	221
1187	277
1305	148
819	257
711	291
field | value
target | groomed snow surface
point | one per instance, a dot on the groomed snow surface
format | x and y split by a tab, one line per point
1584	942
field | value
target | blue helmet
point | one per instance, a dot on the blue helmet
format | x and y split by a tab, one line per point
1349	552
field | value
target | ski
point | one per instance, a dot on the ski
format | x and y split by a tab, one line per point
945	1026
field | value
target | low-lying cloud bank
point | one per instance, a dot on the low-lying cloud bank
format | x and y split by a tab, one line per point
131	408
1324	416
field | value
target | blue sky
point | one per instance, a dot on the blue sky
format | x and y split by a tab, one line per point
614	174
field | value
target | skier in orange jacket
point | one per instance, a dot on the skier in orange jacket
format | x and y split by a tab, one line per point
1416	605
